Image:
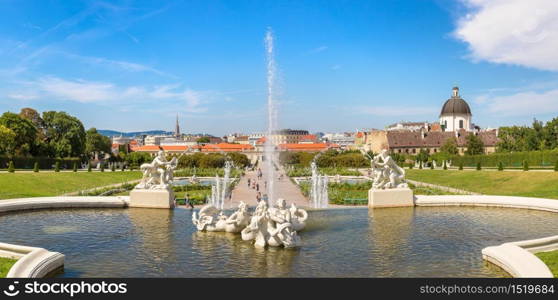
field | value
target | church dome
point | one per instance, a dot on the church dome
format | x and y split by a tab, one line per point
455	105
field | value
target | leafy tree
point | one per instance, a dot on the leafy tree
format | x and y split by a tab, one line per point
11	167
474	145
7	140
203	140
500	166
57	167
240	160
450	147
96	142
423	155
135	159
24	130
65	134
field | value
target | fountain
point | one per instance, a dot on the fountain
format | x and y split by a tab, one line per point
220	189
269	147
319	190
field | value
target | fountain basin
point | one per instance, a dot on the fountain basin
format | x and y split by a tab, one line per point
397	242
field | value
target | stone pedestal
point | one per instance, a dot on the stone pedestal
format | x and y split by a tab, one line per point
163	198
390	198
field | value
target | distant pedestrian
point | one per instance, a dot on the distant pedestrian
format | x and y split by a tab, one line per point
257	187
258	197
187	201
248	182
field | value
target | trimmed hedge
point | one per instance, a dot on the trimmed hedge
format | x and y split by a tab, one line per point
546	158
45	163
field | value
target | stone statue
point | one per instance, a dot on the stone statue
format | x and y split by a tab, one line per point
298	217
239	219
387	174
157	174
207	218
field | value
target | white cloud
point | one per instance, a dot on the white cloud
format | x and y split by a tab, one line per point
176	96
522	104
518	32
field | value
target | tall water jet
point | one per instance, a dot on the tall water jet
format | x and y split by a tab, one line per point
319	196
269	147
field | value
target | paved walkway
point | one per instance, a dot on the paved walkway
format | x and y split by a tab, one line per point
283	189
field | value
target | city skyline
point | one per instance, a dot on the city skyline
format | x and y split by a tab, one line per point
132	66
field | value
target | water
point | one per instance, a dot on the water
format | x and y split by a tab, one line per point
220	190
397	242
270	155
319	197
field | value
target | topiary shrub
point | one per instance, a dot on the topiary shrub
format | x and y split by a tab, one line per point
75	167
445	165
479	166
525	166
113	167
36	167
11	167
432	165
500	166
102	167
411	165
461	165
57	167
89	167
123	167
420	164
556	166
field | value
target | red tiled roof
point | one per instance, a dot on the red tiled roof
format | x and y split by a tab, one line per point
310	137
307	147
226	147
151	148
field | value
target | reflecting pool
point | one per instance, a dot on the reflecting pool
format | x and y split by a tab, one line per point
397	242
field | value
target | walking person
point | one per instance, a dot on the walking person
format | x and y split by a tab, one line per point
248	182
257	187
187	201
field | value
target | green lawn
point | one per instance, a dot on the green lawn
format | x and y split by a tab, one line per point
5	265
527	184
21	185
551	260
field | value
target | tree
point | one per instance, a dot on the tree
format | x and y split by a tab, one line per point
96	142
135	159
239	160
450	147
11	167
203	140
420	164
7	140
25	132
474	145
65	134
36	167
500	166
423	155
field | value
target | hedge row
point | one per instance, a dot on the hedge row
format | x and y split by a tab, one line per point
44	162
511	159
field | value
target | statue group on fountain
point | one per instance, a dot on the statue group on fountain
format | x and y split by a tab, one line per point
159	173
267	226
387	174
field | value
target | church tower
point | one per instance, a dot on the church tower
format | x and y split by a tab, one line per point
177	128
456	113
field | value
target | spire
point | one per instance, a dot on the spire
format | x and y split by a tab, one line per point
177	129
455	93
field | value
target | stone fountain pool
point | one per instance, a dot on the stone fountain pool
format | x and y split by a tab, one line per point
398	242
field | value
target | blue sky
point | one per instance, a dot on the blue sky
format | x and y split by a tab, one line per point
342	65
